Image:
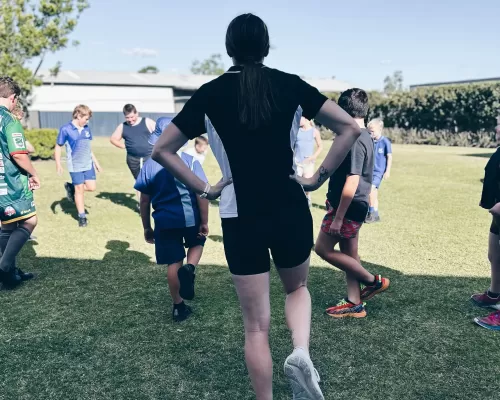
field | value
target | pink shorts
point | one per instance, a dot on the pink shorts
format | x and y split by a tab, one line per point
349	228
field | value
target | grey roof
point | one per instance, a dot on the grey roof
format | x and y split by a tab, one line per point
177	81
455	82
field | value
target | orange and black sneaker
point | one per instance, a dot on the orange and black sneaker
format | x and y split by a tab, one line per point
380	285
345	308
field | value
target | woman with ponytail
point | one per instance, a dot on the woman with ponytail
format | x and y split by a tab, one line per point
256	105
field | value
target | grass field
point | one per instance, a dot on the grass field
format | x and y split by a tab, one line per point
96	323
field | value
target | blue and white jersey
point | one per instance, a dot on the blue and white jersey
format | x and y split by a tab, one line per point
383	147
78	150
304	146
161	124
174	205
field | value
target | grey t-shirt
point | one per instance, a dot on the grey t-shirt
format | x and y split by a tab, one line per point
359	161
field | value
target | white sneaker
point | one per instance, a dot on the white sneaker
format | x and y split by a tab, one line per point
303	376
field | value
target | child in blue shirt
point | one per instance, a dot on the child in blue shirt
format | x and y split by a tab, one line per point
382	166
180	221
81	161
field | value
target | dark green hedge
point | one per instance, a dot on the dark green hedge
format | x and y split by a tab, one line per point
458	108
44	141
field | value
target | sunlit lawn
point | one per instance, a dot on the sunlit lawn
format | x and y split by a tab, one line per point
96	323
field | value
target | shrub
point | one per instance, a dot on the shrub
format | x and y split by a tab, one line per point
44	141
440	138
454	108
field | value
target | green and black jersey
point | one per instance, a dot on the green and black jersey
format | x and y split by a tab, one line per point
16	199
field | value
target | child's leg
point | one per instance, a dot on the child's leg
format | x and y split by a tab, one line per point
374	200
350	248
194	255
90	186
494	257
325	249
173	282
169	251
80	205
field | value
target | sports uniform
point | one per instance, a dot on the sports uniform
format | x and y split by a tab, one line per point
16	198
253	226
359	161
78	152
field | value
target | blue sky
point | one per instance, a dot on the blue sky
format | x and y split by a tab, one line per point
357	41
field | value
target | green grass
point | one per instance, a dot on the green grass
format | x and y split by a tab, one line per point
96	323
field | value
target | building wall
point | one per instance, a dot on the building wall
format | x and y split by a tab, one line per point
101	124
102	98
52	105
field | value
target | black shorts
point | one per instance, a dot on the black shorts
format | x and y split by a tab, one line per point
135	164
287	234
170	243
494	228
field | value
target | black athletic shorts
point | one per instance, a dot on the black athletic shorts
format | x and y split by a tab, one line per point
135	164
288	234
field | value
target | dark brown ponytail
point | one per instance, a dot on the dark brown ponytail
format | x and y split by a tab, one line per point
247	41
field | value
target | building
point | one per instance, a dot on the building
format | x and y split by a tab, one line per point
106	93
464	82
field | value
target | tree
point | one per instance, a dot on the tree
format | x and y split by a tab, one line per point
393	83
29	30
150	69
211	66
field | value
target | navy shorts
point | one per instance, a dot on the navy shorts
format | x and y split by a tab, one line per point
79	178
170	243
377	181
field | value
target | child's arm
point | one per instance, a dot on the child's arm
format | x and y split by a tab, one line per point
203	205
388	155
387	174
319	145
145	209
350	187
57	156
96	163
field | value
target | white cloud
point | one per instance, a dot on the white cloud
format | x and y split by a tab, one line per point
386	62
140	52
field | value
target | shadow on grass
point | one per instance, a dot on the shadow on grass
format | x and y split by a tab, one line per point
481	155
119	252
216	238
67	207
111	319
319	206
122	199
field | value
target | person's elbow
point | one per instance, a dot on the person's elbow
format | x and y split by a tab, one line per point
17	157
155	154
353	130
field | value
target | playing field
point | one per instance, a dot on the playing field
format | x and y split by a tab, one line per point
96	324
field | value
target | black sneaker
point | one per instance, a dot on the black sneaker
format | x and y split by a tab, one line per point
25	276
82	222
10	279
70	191
180	314
186	275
